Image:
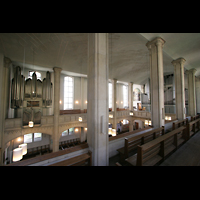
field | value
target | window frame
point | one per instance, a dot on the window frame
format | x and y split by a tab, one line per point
68	102
125	96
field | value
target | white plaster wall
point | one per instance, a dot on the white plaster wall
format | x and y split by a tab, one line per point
120	95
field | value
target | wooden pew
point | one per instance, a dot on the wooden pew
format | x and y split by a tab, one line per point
194	117
48	156
179	123
156	150
192	128
139	139
81	160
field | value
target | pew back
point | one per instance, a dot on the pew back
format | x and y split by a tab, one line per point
156	150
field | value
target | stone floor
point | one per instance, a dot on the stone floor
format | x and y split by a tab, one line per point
186	155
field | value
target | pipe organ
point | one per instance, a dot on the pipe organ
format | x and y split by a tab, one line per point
31	95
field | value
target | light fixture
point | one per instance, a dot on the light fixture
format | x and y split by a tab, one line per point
60	102
110	131
168	118
110	116
19	139
76	102
149	123
24	148
86	101
76	130
17	154
80	119
131	113
30	124
113	132
146	122
85	129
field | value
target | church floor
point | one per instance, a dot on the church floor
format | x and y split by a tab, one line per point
186	155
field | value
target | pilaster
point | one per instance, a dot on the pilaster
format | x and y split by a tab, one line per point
55	138
114	84
130	95
97	95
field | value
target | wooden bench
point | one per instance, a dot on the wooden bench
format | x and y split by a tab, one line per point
48	156
179	123
130	144
40	150
69	143
81	160
156	150
192	128
194	117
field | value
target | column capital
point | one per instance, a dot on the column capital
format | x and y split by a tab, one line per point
157	41
57	69
7	62
178	61
191	71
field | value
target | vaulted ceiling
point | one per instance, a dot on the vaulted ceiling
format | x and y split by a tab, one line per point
128	54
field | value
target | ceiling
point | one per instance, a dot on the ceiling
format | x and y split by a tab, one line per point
128	54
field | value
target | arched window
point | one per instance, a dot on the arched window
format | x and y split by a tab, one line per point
125	95
68	93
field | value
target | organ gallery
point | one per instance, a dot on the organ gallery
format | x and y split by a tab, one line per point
31	95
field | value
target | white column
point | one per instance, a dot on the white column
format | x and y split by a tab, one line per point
114	97
97	95
82	93
191	92
197	84
56	135
156	82
179	87
130	95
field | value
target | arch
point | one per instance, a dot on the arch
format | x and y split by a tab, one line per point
71	125
140	123
136	94
10	135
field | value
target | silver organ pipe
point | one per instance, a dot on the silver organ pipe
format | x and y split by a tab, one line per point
44	92
48	88
17	79
39	88
17	89
22	90
28	88
34	86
